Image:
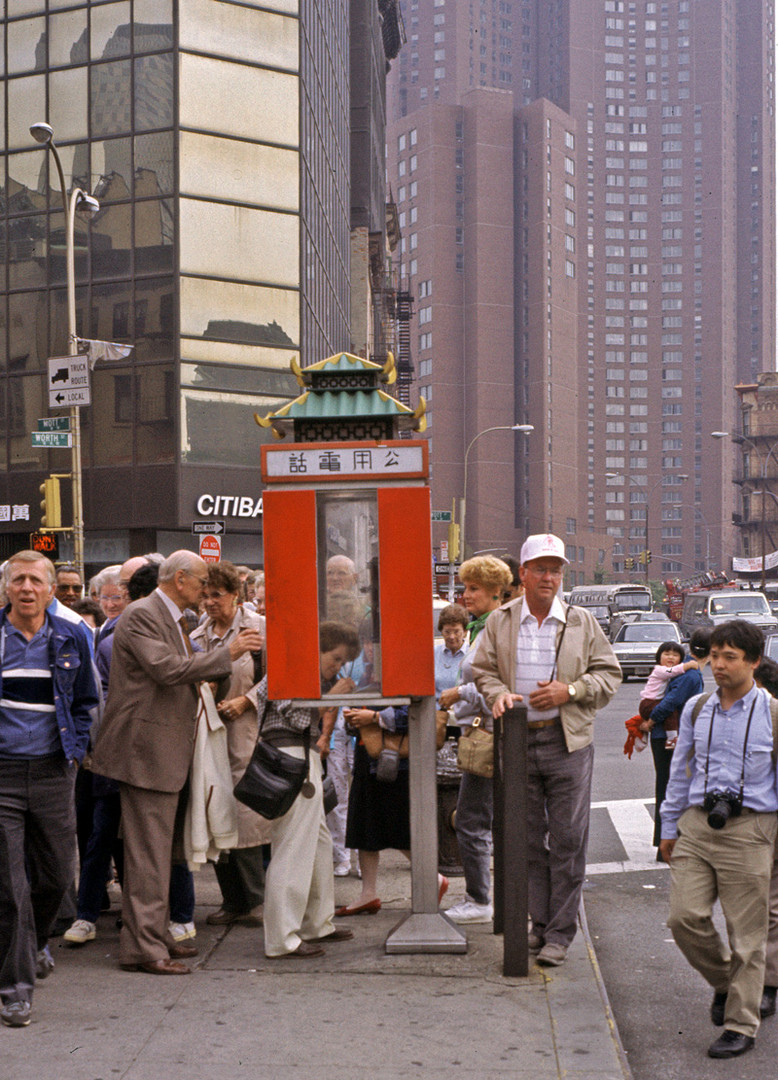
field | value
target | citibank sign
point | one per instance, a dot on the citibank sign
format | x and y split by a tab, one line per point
236	506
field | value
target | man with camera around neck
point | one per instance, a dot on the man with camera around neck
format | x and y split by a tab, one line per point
718	830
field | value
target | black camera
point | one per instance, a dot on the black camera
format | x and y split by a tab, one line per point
720	806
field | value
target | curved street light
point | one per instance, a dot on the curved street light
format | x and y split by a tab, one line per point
649	492
525	429
79	200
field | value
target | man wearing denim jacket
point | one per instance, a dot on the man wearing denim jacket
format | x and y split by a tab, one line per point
47	689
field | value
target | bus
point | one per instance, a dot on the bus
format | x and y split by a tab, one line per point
605	601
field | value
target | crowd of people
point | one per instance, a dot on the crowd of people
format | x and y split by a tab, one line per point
122	712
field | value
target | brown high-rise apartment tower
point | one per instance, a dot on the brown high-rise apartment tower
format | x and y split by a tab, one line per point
586	194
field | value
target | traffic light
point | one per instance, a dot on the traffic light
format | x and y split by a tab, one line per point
51	509
453	541
629	563
648	557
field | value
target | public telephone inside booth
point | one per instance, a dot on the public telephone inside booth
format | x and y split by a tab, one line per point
348	574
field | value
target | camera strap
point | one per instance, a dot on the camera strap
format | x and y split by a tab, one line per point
745	748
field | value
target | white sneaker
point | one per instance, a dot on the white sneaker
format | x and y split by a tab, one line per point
470	912
182	931
80	932
343	869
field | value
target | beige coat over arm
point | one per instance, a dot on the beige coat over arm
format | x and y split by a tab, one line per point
242	731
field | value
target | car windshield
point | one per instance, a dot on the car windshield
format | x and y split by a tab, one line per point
648	632
740	604
600	611
771	646
628	601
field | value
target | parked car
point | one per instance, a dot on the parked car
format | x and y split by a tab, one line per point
635	616
636	644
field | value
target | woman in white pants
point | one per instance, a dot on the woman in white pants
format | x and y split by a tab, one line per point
299	890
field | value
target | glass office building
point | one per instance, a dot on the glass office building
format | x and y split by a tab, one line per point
216	252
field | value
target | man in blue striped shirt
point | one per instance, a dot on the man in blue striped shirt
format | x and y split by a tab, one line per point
718	831
47	689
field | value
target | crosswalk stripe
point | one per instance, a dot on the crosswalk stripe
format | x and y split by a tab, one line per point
635	827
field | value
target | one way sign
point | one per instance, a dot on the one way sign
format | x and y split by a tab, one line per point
208	528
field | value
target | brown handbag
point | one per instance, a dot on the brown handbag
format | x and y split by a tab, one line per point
375	738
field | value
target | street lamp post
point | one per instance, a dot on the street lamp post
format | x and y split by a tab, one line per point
79	200
740	440
649	492
526	429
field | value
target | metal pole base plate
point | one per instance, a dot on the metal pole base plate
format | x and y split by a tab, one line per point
425	933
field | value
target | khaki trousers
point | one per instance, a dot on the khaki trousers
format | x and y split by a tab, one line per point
299	886
732	864
771	967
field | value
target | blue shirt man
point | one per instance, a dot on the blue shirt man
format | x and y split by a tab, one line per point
725	750
47	689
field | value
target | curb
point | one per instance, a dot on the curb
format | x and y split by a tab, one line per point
621	1053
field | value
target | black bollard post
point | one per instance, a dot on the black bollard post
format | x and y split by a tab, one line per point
510	839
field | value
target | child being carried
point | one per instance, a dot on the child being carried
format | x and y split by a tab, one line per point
669	662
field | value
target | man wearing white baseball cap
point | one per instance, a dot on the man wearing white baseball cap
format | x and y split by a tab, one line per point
556	659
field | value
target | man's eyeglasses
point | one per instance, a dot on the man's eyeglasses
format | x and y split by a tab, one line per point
203	580
541	571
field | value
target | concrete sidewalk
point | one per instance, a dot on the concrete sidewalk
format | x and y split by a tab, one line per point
352	1014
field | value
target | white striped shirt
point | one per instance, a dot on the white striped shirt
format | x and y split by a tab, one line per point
536	654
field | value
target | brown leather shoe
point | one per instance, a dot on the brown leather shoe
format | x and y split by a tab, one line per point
341	934
159	967
181	950
303	950
221	918
250	918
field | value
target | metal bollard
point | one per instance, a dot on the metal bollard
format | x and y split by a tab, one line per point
510	839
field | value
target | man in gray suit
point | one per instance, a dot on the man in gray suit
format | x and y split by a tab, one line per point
145	742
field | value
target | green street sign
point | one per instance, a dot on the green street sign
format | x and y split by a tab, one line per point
54	423
441	515
52	438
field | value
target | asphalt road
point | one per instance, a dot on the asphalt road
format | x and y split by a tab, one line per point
660	1004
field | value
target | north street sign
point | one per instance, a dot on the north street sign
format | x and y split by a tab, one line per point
212	528
52	438
445	568
441	515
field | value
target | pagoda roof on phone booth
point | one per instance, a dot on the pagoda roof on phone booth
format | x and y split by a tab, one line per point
342	399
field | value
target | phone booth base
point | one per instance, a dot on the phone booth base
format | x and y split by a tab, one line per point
426	929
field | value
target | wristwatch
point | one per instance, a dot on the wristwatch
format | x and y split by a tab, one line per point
572	692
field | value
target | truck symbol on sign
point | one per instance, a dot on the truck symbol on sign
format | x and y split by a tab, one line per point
61	375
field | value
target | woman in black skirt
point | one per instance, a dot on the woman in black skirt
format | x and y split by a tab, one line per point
378	810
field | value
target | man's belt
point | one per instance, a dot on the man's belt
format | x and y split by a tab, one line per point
535	725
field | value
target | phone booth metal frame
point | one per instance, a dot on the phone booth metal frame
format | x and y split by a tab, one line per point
308	489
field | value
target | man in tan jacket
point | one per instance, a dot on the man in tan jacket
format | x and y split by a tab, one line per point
557	660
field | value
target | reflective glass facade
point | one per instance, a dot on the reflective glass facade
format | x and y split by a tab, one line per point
215	253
